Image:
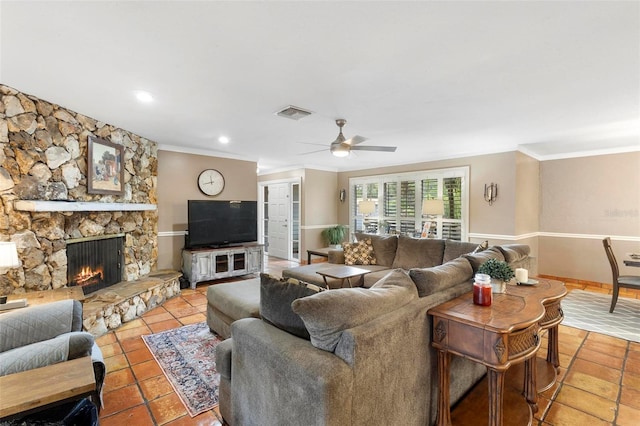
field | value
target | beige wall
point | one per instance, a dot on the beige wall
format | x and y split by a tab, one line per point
582	201
177	183
320	206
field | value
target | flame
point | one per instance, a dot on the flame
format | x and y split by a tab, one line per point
87	272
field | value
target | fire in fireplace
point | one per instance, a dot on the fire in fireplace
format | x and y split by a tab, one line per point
95	263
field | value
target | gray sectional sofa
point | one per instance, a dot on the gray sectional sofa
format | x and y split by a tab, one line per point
369	359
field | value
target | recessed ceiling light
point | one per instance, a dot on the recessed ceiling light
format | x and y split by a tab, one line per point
223	139
144	96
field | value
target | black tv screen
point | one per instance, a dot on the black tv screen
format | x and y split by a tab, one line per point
221	223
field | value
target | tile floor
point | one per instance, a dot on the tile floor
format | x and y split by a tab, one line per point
599	382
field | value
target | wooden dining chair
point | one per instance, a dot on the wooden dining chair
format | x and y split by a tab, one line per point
625	281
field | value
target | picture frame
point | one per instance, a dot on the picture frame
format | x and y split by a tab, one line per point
105	169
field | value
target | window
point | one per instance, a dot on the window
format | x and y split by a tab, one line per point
398	202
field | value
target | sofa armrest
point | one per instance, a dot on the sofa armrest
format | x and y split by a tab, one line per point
223	358
336	256
39	323
278	378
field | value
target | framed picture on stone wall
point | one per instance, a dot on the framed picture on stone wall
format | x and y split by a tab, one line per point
105	169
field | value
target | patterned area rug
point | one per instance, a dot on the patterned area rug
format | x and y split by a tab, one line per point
590	311
187	357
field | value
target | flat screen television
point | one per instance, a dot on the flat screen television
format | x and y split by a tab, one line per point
215	223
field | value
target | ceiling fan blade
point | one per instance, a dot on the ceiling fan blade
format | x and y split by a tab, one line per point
313	143
313	152
355	140
374	148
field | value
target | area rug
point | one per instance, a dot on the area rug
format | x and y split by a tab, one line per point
187	357
590	311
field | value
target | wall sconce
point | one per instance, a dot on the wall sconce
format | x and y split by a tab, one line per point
490	192
342	195
431	208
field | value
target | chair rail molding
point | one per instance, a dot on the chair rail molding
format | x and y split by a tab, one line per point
553	235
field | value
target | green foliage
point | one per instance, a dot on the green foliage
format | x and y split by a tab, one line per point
497	269
335	234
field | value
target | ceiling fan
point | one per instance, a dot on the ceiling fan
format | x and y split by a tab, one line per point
341	147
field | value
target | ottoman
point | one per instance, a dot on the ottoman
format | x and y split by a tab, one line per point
232	301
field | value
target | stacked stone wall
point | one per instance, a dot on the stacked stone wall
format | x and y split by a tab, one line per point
43	156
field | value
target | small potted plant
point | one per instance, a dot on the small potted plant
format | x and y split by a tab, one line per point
500	273
334	235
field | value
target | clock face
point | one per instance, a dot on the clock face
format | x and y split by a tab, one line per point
211	182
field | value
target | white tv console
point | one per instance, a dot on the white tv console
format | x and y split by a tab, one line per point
206	264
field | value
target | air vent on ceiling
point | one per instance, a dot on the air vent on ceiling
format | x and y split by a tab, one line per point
293	113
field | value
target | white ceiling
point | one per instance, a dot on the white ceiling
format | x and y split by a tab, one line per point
436	79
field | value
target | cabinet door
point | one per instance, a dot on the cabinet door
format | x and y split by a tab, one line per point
221	264
202	262
239	262
254	260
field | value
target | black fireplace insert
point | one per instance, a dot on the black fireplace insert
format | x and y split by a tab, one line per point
96	263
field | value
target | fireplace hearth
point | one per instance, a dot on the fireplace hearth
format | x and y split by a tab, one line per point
95	263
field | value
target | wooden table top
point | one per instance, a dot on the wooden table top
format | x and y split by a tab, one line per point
519	307
24	391
343	271
632	260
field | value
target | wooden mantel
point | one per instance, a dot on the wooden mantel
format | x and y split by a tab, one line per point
78	206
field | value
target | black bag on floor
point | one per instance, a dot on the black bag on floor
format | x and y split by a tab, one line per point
85	413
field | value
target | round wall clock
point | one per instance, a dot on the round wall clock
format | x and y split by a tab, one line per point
211	182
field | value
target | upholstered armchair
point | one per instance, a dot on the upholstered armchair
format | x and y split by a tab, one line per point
41	335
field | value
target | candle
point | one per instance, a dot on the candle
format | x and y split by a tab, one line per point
522	275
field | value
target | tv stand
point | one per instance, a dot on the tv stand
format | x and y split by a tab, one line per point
206	264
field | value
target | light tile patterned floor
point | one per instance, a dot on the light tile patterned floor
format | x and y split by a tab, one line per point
599	381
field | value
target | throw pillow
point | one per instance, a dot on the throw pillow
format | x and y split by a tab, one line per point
326	315
359	253
438	278
454	249
384	246
477	259
481	247
276	296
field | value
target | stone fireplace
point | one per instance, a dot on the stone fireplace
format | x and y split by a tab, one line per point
45	203
47	209
95	263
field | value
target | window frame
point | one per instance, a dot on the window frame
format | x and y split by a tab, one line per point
417	177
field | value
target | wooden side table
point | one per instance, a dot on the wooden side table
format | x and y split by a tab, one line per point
34	390
496	336
321	252
344	272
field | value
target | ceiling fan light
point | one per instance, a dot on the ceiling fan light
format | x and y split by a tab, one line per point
339	151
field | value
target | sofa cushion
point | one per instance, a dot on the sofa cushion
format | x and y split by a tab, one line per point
276	296
418	252
453	249
397	278
477	259
438	278
384	247
359	253
514	252
326	315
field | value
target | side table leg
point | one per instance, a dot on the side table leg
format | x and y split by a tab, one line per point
530	382
552	347
496	391
444	410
